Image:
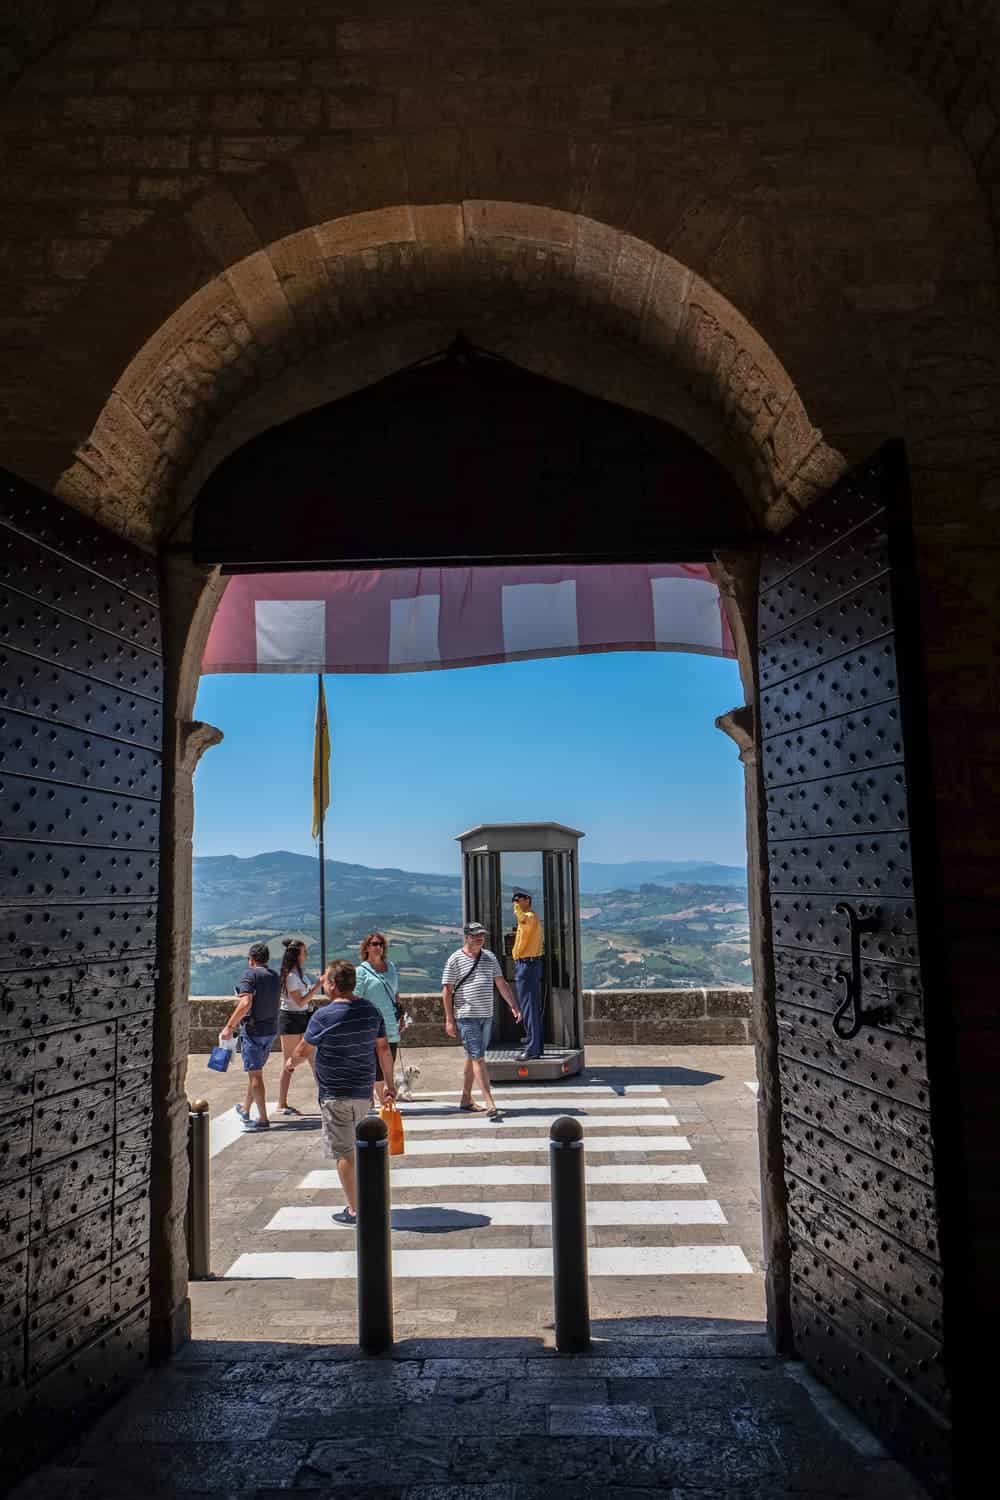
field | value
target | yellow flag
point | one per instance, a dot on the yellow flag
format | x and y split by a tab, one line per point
321	762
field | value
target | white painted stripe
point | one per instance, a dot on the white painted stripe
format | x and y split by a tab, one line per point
598	1144
518	1175
552	1090
640	1260
478	1123
227	1128
429	1215
540	1107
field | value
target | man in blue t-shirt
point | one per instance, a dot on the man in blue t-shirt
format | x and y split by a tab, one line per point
341	1041
259	993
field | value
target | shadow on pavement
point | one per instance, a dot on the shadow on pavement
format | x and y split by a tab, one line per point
665	1076
426	1219
675	1327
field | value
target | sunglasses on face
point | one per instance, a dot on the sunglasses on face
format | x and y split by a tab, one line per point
376	943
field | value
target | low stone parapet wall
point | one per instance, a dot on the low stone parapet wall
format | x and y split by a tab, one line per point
612	1017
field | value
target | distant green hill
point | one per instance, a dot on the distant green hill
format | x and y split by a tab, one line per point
629	876
657	933
284	888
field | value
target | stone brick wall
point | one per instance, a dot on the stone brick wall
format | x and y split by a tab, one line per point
762	145
663	1018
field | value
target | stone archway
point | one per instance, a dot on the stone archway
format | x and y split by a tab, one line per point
194	391
333	308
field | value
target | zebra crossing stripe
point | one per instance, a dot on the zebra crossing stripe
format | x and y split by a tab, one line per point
538	1107
477	1123
508	1146
551	1091
637	1260
449	1216
228	1127
514	1174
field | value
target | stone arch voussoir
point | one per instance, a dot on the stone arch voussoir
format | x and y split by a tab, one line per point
456	265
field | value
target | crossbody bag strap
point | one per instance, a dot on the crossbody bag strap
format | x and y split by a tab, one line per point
467	975
381	979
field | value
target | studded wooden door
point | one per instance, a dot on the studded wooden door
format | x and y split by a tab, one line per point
80	735
837	730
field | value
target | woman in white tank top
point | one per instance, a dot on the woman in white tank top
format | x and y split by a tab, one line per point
297	990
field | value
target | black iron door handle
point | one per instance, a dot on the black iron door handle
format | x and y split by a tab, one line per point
849	1018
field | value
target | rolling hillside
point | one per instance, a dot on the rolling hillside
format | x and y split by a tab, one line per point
686	926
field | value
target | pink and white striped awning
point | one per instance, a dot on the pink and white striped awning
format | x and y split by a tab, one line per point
423	619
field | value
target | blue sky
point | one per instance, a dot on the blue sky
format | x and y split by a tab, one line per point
621	745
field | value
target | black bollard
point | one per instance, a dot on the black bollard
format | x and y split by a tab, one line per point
570	1283
199	1205
371	1163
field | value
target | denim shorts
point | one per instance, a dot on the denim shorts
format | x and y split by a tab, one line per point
475	1034
255	1051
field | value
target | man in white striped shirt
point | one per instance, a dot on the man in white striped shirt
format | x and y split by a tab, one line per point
467	991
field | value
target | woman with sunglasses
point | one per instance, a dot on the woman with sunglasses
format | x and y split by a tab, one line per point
378	981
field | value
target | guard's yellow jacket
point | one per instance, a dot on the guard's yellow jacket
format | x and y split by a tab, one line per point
528	943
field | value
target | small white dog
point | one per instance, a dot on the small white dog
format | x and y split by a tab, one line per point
406	1076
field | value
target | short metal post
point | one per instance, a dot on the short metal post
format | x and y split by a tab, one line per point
570	1281
371	1162
199	1202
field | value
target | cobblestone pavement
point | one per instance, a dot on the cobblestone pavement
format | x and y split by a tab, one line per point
689	1417
672	1156
680	1396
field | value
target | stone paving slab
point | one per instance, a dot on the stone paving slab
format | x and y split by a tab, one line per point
481	1425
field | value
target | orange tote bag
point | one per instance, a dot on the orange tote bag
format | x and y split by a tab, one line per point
394	1124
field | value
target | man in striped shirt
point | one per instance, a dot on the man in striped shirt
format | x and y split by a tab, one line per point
467	992
341	1041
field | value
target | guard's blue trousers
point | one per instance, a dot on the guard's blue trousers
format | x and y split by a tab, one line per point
528	984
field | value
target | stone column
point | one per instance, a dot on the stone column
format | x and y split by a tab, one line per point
187	601
740	725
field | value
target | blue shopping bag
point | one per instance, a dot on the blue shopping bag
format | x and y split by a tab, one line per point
221	1056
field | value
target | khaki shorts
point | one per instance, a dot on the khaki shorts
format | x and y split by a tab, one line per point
340	1119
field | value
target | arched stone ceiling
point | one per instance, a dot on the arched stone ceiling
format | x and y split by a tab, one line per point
445	266
950	48
39	25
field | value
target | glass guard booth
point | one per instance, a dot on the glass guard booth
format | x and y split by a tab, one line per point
540	859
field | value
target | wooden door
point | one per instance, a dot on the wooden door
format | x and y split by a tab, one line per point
80	734
840	742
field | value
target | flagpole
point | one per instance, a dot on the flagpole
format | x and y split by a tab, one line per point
322	822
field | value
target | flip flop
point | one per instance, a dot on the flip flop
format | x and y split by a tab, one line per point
472	1109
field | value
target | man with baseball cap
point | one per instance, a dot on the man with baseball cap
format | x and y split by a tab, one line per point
467	991
527	956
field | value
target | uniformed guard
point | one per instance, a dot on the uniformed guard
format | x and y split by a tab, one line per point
527	956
